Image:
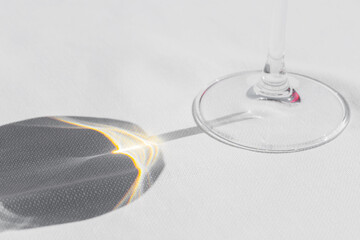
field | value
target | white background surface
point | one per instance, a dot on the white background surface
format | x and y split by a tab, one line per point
144	62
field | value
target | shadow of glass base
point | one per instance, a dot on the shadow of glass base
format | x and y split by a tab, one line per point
57	170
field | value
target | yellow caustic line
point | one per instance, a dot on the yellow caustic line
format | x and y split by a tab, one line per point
131	146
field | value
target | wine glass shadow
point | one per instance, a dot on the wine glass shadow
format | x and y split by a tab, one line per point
56	170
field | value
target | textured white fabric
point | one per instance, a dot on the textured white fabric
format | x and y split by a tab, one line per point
144	62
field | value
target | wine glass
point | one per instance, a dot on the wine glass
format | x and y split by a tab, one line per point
272	110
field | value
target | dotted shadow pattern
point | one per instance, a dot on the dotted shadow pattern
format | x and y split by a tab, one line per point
57	170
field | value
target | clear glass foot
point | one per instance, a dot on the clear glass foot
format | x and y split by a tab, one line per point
295	120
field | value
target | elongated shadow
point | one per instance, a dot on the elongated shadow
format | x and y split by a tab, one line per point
66	169
57	170
187	132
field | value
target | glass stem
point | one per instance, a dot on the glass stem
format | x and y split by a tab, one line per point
278	30
274	82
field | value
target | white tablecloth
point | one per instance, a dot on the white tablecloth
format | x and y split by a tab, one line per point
144	62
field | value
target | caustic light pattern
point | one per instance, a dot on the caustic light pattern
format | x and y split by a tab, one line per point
63	169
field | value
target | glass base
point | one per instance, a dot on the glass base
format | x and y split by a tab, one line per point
229	111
